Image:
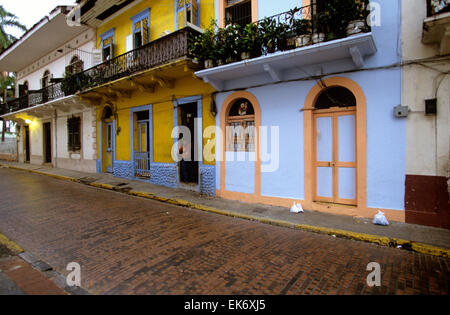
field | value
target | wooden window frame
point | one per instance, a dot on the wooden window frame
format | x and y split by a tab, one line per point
245	139
191	6
138	23
108	41
223	6
71	134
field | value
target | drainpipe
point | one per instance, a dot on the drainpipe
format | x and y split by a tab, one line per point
55	163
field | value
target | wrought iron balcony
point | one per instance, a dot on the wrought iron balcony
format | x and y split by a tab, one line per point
34	98
308	25
158	52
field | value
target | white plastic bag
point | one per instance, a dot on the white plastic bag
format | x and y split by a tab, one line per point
296	208
380	219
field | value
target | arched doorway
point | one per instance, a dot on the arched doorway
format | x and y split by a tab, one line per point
334	116
240	167
335	146
108	141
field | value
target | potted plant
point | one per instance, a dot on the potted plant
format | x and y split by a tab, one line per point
302	30
232	41
355	16
221	48
208	47
250	43
283	35
268	34
195	47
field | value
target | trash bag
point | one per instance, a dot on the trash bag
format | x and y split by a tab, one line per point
296	208
380	219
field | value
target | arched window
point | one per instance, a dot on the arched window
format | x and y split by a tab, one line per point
335	96
76	65
241	127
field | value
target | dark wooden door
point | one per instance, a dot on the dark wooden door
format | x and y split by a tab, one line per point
47	143
27	144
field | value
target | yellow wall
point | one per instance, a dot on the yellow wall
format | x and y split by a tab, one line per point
162	19
163	116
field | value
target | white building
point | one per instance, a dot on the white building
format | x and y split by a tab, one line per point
426	92
54	126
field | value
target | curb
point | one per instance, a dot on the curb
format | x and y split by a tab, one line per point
12	246
368	238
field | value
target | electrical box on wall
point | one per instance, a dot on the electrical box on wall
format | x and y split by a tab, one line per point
431	106
401	111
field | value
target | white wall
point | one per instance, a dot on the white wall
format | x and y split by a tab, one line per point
56	62
427	137
88	135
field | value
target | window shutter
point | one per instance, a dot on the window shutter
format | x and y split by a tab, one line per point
111	50
74	134
77	134
129	43
194	13
144	31
96	57
69	135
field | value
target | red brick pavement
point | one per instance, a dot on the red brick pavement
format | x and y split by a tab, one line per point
128	245
28	279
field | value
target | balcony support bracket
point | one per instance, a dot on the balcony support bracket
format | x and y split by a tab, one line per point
357	57
216	84
274	74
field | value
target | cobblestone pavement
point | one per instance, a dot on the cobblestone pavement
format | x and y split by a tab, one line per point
128	245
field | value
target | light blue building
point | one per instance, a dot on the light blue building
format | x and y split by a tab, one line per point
326	108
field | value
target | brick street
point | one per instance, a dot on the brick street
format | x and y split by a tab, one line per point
128	245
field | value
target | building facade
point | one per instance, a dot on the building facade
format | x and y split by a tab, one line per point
349	116
326	131
54	127
426	93
145	88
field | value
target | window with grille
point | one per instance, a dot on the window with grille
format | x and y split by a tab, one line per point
74	134
241	127
238	12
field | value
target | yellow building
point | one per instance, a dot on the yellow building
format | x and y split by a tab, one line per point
144	88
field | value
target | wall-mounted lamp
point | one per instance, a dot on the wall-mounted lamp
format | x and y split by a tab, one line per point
27	121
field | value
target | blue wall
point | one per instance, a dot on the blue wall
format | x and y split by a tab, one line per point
281	106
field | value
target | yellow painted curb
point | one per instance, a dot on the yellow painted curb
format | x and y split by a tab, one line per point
10	244
380	240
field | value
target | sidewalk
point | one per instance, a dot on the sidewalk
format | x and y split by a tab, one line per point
21	277
418	238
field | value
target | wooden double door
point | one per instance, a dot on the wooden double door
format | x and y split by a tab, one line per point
335	156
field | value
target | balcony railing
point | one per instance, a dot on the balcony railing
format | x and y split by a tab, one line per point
299	27
161	51
158	52
34	98
435	7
